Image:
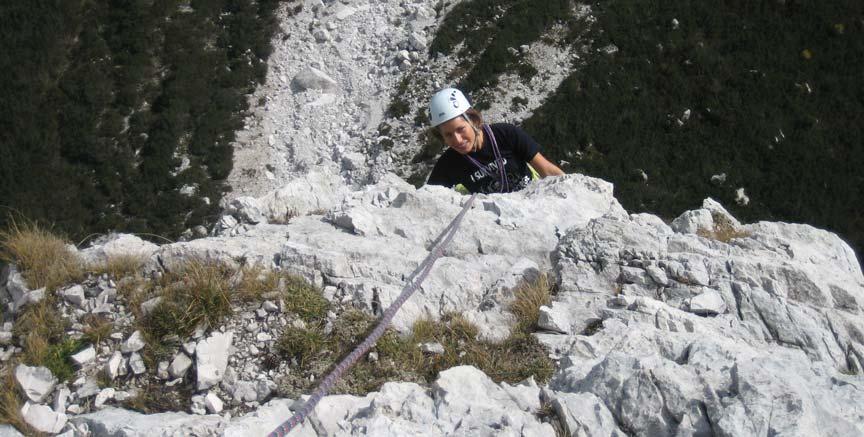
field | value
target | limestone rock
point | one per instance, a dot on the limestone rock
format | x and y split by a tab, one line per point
313	79
14	284
149	305
551	320
117	422
211	359
134	343
112	366
213	403
179	365
85	356
61	397
136	364
36	382
246	210
9	431
117	245
88	389
432	348
43	418
708	302
74	295
584	414
104	395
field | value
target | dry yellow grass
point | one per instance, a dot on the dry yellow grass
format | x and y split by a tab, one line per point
254	281
43	258
400	357
96	328
723	231
198	293
120	266
37	327
529	298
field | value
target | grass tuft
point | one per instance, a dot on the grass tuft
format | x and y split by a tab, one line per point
37	327
197	294
303	299
254	282
121	266
301	344
43	258
399	356
96	328
723	231
58	358
529	298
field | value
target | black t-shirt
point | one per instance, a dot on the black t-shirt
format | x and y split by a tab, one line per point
517	149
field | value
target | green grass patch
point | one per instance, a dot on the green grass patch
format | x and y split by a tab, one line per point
58	358
38	328
303	299
400	357
197	294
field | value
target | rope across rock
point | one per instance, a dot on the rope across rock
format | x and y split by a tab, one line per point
414	281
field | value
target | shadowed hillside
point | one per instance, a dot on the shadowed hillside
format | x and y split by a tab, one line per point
111	108
774	94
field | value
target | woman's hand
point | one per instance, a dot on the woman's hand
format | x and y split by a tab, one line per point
544	167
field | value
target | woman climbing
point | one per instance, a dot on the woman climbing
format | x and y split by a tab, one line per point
482	158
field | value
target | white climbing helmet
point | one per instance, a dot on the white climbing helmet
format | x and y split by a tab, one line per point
446	105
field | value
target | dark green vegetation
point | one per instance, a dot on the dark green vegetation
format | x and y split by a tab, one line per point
102	99
775	90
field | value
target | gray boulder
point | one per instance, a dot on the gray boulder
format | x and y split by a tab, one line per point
211	359
116	245
312	78
36	382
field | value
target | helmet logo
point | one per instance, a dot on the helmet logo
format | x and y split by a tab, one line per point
453	99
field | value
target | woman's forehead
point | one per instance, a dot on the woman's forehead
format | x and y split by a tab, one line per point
452	125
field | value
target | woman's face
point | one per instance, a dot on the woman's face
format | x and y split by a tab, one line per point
458	134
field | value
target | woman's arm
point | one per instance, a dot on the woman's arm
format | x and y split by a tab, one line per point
544	167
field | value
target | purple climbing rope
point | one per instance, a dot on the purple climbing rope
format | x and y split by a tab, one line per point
503	183
414	281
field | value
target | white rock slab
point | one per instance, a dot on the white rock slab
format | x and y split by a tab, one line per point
211	359
36	382
180	365
85	356
112	366
117	422
213	404
134	343
43	418
708	302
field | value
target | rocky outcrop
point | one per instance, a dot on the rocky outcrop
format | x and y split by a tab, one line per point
365	246
757	335
656	329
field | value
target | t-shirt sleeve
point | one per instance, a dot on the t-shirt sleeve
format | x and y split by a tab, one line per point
441	174
523	145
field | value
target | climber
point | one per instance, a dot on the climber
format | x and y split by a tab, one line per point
482	158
